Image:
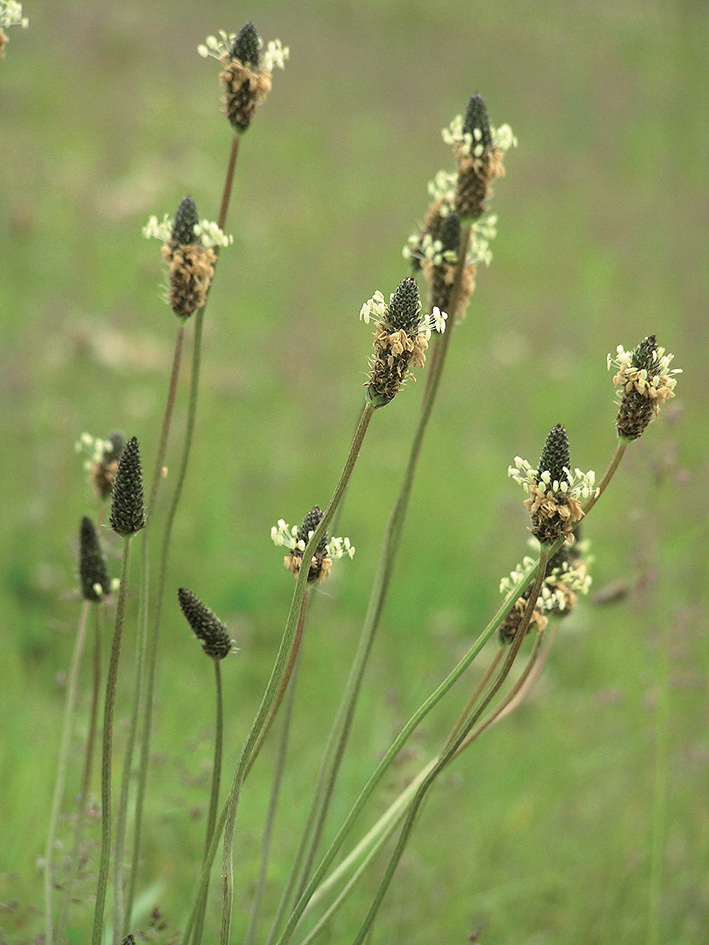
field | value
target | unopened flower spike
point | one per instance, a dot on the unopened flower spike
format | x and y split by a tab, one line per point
296	538
479	150
103	459
566	578
206	626
400	339
189	251
555	490
645	381
127	510
93	572
10	15
246	76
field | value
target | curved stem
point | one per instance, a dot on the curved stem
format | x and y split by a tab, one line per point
339	733
279	769
72	690
279	669
216	774
85	777
620	449
476	695
107	748
451	750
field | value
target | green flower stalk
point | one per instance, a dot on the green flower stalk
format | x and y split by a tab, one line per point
246	73
400	339
645	381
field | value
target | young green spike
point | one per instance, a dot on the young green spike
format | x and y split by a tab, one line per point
186	219
206	626
477	123
555	458
93	572
247	47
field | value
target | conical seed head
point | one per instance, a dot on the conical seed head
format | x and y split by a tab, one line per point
404	313
310	524
186	219
246	47
645	355
449	233
206	626
555	454
93	573
476	116
127	510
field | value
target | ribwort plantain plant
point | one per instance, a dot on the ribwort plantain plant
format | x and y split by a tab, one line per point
410	334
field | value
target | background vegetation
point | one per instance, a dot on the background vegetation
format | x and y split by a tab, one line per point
545	831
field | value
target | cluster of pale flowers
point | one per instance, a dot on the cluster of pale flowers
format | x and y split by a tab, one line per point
11	14
502	138
95	448
274	56
286	536
551	597
206	231
375	310
629	375
577	485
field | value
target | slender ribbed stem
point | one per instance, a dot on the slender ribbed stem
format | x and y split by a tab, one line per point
659	807
451	750
278	771
85	777
280	668
339	734
216	777
152	646
620	448
72	690
106	755
476	695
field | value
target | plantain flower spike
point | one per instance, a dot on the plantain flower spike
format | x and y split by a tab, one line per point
400	338
246	76
102	463
208	629
10	15
93	572
566	578
127	510
555	490
645	381
295	538
479	150
190	251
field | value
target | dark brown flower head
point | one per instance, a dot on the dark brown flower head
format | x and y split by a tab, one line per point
211	632
449	234
400	339
93	572
512	622
247	47
127	510
477	123
645	381
103	462
555	458
186	219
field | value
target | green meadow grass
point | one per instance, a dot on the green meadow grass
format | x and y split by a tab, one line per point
580	819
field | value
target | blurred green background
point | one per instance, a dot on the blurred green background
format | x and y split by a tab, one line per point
583	817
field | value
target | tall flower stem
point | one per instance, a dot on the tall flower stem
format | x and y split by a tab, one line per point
450	751
621	446
279	769
122	914
106	756
85	777
216	772
152	644
72	690
339	734
279	669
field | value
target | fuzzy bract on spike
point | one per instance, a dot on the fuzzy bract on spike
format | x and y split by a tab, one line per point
93	572
645	381
186	220
247	46
127	510
206	626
